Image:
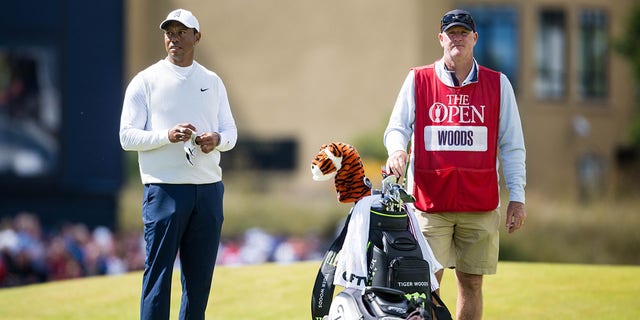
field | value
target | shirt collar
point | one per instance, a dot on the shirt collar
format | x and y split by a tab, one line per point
447	77
181	71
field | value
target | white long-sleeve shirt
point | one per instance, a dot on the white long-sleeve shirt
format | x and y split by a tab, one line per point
162	96
512	152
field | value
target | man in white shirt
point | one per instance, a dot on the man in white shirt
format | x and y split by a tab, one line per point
176	115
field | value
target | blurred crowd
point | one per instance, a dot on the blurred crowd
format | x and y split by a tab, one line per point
31	253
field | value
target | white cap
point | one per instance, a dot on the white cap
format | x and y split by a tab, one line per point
183	16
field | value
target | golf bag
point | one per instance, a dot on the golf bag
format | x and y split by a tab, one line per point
398	284
395	258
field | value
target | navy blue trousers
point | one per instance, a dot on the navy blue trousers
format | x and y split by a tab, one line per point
185	219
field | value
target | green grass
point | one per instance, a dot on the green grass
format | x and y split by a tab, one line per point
272	291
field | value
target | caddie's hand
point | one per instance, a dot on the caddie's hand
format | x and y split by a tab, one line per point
515	216
208	141
181	132
397	163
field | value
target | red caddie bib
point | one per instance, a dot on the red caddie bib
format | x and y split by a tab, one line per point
455	143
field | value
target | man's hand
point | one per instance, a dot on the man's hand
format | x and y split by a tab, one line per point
397	163
208	141
515	216
181	132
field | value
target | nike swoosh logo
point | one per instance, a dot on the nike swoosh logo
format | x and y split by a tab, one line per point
203	89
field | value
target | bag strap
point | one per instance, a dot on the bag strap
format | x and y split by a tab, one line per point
322	293
440	310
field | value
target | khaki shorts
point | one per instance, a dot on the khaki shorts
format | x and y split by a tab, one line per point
468	242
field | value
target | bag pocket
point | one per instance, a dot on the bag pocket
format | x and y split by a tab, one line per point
400	244
410	275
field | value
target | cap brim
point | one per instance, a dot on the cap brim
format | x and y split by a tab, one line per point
165	22
453	24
